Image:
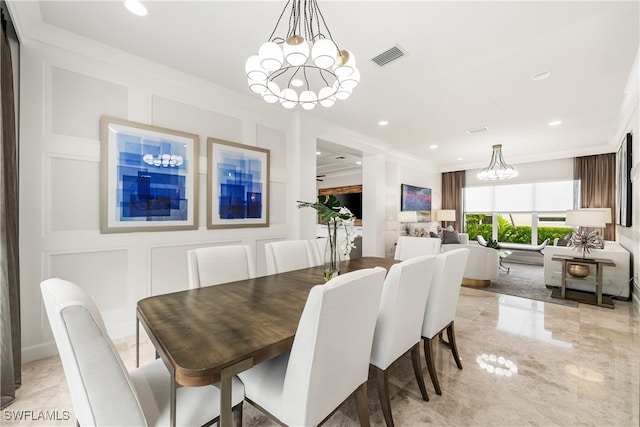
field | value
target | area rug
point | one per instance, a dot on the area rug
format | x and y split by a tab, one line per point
526	281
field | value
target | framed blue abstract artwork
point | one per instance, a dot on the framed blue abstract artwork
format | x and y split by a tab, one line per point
148	178
238	185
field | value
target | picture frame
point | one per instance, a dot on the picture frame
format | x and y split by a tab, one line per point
148	177
413	198
237	185
624	193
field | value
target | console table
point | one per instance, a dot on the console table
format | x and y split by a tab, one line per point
580	296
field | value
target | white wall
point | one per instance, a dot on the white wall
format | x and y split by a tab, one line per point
345	180
629	121
63	96
404	171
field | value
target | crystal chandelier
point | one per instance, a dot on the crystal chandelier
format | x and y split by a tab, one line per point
304	67
498	168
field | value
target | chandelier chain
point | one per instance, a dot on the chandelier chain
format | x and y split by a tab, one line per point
279	19
319	13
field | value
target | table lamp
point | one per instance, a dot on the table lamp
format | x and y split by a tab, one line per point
595	217
445	215
407	217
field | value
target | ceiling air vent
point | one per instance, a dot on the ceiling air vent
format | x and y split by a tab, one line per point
389	55
477	130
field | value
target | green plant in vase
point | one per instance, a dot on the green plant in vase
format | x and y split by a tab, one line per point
335	216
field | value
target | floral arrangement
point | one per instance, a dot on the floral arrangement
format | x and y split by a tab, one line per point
585	241
335	216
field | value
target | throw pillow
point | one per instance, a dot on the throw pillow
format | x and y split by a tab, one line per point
599	243
564	241
449	236
434	235
420	232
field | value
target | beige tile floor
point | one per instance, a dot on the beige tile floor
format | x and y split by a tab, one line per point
570	367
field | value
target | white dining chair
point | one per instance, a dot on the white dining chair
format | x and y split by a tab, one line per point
399	323
411	246
329	359
103	393
440	312
317	247
288	255
219	264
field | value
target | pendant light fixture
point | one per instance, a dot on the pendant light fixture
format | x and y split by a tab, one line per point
498	168
304	66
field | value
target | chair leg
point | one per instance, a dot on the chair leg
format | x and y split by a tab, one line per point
428	355
362	401
383	391
417	369
442	340
237	415
452	341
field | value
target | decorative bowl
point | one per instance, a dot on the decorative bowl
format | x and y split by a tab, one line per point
578	270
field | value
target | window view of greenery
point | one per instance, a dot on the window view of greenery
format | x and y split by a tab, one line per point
516	228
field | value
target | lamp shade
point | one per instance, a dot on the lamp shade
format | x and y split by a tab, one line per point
408	216
586	218
446	215
606	212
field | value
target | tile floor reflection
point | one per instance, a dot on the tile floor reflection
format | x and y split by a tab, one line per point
574	366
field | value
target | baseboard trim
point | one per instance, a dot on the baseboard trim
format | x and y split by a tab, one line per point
40	351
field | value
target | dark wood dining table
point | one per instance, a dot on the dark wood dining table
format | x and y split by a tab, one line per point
208	335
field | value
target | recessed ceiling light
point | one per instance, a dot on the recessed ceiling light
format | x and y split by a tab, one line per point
135	7
358	162
555	123
541	76
433	147
318	153
459	158
383	123
297	83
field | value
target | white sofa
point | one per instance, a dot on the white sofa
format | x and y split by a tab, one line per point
482	265
615	280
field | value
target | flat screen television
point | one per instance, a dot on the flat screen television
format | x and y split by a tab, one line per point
352	201
416	199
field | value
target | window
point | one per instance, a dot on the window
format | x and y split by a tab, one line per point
519	213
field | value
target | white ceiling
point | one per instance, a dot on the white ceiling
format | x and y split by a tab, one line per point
469	65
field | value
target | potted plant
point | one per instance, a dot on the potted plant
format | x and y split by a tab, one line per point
335	216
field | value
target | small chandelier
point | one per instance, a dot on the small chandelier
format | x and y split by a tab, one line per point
305	67
498	168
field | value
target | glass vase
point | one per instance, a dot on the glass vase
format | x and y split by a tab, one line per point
332	253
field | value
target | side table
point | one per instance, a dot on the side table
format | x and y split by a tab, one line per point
503	254
568	294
